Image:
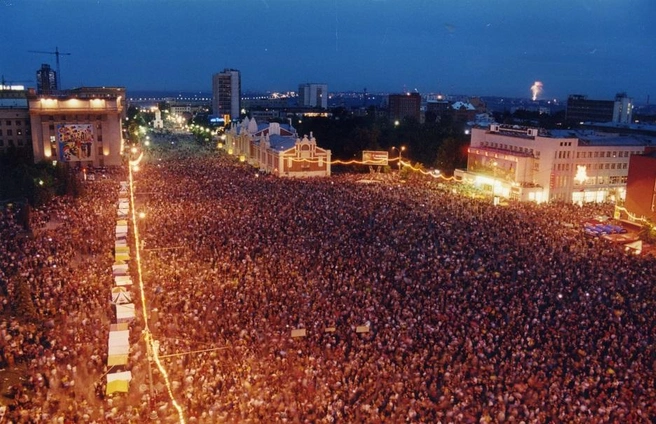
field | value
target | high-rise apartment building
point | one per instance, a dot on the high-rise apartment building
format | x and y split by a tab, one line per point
46	80
313	95
226	93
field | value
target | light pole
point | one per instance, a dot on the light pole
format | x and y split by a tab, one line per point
400	150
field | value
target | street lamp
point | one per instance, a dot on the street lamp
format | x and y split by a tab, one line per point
400	150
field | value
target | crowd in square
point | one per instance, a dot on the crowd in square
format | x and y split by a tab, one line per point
419	304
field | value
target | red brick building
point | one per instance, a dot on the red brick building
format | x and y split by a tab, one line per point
404	106
641	186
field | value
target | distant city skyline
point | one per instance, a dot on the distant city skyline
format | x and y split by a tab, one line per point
591	47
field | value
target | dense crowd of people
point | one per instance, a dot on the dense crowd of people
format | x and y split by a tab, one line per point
419	303
55	280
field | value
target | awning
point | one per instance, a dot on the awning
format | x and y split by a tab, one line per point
122	280
118	347
125	312
120	296
118	382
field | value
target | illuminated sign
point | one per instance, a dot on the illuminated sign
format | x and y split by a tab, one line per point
374	157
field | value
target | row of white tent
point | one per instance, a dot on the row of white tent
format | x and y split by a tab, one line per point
118	345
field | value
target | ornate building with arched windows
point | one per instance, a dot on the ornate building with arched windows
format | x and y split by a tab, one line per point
277	149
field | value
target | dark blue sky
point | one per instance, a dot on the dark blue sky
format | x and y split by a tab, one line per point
476	47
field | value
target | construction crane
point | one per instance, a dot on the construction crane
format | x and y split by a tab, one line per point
57	53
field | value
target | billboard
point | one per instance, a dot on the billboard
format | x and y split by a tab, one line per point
75	142
374	157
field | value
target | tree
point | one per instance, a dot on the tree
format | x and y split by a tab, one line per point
451	155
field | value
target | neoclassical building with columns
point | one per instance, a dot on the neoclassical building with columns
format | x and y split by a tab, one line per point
277	149
81	126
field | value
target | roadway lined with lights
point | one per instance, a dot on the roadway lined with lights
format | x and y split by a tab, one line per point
151	345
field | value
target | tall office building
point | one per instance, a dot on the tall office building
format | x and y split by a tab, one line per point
46	80
226	93
313	95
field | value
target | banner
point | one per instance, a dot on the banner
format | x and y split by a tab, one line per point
374	157
75	142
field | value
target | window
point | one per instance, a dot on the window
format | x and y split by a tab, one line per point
624	165
0	133
596	154
8	122
10	132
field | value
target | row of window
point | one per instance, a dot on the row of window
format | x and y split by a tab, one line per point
510	147
609	154
10	142
98	126
593	166
11	132
601	180
8	122
73	117
560	181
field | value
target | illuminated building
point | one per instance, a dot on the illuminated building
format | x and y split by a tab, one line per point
226	93
277	149
641	186
14	118
530	164
80	127
402	106
313	95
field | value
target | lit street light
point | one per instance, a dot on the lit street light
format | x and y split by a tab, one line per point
400	150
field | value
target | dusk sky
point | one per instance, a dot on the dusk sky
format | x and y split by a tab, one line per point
475	47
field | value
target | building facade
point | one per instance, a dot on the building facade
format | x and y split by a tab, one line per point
402	106
641	187
46	80
14	118
226	94
313	95
82	127
277	149
531	164
582	109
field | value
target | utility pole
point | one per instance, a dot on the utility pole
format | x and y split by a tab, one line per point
57	53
